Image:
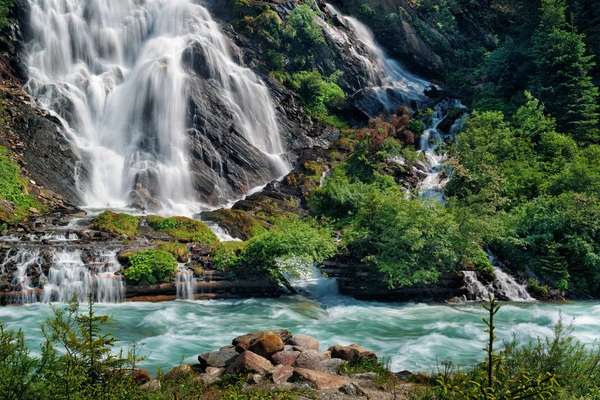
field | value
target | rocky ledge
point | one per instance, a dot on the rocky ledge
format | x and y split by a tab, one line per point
277	360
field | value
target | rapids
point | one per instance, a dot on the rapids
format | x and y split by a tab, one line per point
416	337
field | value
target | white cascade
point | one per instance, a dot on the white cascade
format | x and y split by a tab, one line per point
386	75
185	283
69	275
26	261
503	286
313	283
112	71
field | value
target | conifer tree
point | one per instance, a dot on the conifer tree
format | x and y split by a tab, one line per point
562	81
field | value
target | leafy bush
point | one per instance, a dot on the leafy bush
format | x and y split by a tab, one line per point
151	266
318	95
226	255
179	250
13	188
122	224
5	7
183	229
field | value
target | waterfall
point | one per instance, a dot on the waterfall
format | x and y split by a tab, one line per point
389	80
27	262
112	71
504	286
70	275
313	283
185	283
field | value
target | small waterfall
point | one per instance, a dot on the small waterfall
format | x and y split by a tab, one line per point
112	71
69	275
27	263
504	286
313	283
389	80
185	283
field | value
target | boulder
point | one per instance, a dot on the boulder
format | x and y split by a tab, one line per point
353	389
285	357
221	358
249	361
267	345
212	375
183	370
331	365
321	380
310	359
243	343
326	355
352	353
282	373
140	376
151	386
304	341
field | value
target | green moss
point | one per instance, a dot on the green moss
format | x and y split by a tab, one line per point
178	250
183	229
122	224
534	287
151	266
226	255
13	190
314	169
237	222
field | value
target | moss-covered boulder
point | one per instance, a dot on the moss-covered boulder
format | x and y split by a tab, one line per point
183	229
237	222
151	266
121	224
179	250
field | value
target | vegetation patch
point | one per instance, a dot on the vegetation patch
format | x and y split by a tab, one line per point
151	266
122	224
237	222
179	250
183	229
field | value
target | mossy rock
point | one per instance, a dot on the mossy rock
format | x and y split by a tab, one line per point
314	169
237	222
15	201
183	229
151	266
179	250
121	224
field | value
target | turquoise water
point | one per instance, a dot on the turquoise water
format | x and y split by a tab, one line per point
413	336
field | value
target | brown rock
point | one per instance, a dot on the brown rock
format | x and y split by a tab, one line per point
267	345
282	373
248	361
352	353
243	343
212	375
183	370
140	376
304	341
321	380
326	355
151	386
285	357
310	359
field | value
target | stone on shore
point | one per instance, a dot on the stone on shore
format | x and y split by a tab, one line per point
285	357
243	343
310	359
267	345
304	341
221	358
249	361
321	380
352	353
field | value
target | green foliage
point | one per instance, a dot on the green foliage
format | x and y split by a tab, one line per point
226	255
289	247
530	193
183	229
5	8
13	189
318	94
563	82
179	250
122	224
151	266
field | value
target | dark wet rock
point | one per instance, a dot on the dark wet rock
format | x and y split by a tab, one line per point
220	359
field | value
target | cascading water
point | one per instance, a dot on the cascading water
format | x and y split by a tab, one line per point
392	84
112	71
504	286
27	262
185	283
70	275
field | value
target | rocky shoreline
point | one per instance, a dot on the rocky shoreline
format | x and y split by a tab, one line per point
277	360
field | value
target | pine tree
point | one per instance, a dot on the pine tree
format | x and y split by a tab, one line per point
562	81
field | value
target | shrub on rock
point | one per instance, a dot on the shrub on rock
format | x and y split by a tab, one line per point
151	266
183	229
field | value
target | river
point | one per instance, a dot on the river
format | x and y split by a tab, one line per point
415	337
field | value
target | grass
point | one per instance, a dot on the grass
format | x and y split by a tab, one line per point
178	250
183	229
122	224
14	191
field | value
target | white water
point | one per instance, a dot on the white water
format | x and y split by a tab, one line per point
503	286
386	76
69	275
26	262
185	283
112	70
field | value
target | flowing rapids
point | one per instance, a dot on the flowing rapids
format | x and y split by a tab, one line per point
414	336
112	71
